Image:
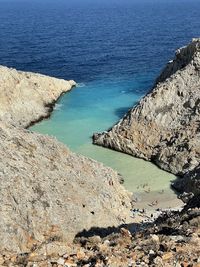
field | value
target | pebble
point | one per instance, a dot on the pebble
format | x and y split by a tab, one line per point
70	264
155	238
125	232
144	249
81	255
1	260
158	261
61	261
106	242
151	252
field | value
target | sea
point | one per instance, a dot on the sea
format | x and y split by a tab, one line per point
114	50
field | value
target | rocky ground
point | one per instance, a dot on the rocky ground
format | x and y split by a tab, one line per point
172	240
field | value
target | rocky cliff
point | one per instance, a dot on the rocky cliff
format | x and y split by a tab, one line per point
164	126
47	193
27	97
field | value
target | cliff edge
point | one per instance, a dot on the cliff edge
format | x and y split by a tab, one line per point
164	126
27	97
47	193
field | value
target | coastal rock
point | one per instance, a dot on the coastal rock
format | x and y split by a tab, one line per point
189	183
27	97
164	126
48	193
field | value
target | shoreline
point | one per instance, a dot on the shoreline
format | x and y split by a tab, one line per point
50	106
24	109
148	197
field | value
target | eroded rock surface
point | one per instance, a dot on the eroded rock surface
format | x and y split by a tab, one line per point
164	126
27	97
47	193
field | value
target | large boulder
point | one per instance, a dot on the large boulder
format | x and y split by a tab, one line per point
164	126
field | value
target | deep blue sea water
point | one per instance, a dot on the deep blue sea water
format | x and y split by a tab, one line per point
113	49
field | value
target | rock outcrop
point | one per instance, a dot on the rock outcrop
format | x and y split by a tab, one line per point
27	97
47	193
190	182
164	126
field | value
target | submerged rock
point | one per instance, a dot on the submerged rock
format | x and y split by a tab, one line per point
164	126
27	97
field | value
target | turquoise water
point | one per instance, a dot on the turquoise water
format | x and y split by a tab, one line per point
115	48
89	108
96	106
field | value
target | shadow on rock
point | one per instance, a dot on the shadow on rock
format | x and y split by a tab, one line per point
104	232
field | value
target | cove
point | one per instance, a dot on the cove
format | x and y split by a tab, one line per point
93	107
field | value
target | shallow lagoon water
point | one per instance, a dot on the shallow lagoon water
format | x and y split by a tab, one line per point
96	106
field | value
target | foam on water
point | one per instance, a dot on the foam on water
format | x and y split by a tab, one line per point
79	85
58	106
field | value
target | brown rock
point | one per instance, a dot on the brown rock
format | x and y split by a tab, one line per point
81	255
70	263
125	233
167	256
1	260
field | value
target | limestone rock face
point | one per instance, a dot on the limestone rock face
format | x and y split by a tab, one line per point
49	193
26	97
164	126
